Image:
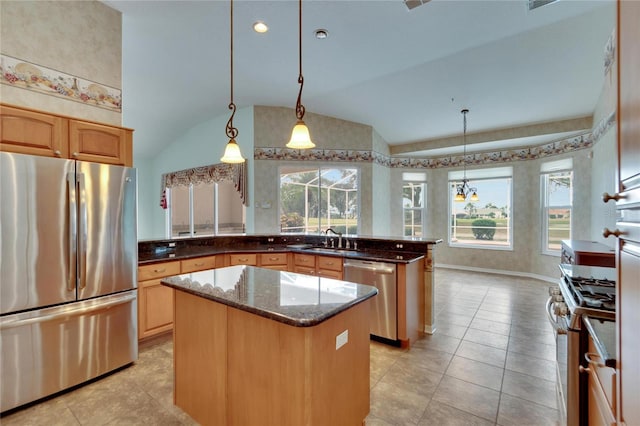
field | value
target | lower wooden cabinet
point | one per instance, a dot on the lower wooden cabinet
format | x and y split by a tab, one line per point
155	301
277	261
602	390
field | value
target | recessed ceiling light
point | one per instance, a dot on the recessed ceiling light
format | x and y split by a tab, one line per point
260	27
321	33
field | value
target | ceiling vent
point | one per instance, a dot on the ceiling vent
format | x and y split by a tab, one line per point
534	4
412	4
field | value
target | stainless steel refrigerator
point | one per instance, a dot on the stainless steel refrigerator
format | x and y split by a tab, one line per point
68	266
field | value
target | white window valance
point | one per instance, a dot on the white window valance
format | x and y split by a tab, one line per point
236	173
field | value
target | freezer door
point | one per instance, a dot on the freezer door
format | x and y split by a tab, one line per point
107	239
47	350
36	264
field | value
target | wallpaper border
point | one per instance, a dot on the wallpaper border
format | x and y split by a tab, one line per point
26	75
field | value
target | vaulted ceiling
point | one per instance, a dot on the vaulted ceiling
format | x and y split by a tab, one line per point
407	73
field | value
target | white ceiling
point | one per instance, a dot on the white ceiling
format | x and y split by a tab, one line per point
406	73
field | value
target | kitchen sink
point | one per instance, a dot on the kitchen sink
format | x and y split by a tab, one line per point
327	249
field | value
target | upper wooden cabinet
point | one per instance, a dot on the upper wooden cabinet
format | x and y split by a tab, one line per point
38	133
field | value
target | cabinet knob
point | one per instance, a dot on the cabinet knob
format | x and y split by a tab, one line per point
606	197
57	153
606	232
75	154
584	370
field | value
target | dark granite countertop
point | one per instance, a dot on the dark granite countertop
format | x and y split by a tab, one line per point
294	299
187	252
603	333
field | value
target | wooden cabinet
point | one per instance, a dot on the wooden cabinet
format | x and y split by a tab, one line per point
243	259
155	301
628	207
201	264
601	390
278	261
330	267
323	266
27	131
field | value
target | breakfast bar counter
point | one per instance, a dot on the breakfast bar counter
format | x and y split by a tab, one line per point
259	346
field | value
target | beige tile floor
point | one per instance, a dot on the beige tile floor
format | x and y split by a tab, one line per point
491	362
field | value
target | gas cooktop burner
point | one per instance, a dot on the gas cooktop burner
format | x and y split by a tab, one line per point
594	293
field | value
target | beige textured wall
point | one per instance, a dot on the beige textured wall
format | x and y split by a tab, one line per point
272	128
80	38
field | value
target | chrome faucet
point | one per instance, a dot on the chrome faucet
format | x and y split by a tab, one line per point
339	234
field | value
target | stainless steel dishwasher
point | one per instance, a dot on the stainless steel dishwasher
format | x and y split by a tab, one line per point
381	275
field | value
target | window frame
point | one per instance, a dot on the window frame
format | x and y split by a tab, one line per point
474	176
215	218
546	170
415	179
321	219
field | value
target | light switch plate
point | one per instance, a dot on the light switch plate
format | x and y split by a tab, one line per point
342	339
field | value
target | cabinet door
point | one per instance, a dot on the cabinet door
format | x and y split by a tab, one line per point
100	143
304	270
329	273
30	132
155	308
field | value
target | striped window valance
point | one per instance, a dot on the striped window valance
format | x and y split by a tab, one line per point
235	173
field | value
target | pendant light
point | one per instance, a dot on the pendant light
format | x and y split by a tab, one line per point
232	152
300	138
463	190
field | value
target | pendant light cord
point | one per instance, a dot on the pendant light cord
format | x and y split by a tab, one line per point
231	131
299	107
464	141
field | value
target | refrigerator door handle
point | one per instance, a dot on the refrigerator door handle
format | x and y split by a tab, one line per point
73	231
82	241
67	313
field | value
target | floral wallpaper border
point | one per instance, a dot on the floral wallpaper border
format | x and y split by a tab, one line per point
573	143
19	73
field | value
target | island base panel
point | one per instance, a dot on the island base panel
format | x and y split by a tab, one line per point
271	373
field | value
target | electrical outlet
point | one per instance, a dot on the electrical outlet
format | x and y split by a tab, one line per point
342	339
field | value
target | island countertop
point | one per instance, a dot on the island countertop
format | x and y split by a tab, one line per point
294	299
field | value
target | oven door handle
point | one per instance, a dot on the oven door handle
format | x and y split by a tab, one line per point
556	327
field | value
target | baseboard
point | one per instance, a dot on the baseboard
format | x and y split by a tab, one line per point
500	272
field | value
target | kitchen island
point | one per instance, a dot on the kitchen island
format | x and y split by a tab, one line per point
259	346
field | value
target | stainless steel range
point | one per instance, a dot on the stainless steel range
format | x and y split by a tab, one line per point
582	291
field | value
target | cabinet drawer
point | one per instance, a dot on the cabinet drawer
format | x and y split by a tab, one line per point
273	258
332	263
304	270
329	273
600	412
307	260
158	270
243	259
198	264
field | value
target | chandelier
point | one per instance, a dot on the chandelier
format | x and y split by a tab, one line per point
300	138
463	190
232	151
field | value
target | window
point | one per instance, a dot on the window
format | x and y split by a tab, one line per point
557	198
204	209
485	223
414	195
314	199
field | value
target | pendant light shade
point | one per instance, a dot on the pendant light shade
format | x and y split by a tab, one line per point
463	190
300	138
232	152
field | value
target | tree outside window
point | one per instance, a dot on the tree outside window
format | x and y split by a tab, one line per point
485	223
313	199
